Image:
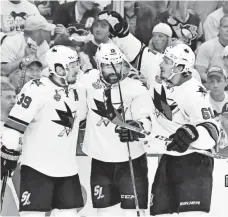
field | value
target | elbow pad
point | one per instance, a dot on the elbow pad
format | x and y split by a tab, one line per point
12	140
208	136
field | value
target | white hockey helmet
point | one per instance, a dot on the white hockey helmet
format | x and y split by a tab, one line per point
60	55
181	55
108	53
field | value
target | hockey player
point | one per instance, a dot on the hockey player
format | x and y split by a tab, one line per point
181	112
111	184
47	113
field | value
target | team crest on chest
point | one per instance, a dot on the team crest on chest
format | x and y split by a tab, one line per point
162	106
66	120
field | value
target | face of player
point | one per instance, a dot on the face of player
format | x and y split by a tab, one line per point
33	72
223	29
167	69
101	31
73	72
217	84
109	73
87	5
8	99
160	41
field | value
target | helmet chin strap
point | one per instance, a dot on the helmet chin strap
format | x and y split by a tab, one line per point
173	74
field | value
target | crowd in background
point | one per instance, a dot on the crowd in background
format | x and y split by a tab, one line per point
29	28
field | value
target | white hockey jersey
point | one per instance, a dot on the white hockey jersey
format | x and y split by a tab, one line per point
173	106
49	117
100	141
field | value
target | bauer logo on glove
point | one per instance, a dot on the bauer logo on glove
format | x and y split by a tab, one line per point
182	139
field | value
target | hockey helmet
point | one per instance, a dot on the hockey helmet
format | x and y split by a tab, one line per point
60	55
181	55
109	53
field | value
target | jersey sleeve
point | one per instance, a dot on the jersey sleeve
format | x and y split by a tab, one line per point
135	51
200	113
141	105
29	102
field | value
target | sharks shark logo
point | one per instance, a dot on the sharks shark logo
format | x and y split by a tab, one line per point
162	106
102	111
66	120
105	109
202	90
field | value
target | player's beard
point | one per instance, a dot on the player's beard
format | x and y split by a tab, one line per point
112	78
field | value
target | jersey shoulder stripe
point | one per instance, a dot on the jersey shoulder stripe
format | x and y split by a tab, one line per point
211	129
16	124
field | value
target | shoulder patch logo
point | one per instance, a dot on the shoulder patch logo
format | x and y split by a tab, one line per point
202	90
97	84
37	82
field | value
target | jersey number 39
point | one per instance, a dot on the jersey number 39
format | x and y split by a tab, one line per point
24	101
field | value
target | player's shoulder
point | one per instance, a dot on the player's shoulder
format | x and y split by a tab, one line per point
196	90
136	86
90	76
36	85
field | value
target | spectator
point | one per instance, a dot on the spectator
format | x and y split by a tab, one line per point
21	48
100	31
203	8
141	18
8	99
209	53
160	6
20	77
47	8
185	23
211	24
217	81
77	17
161	37
13	15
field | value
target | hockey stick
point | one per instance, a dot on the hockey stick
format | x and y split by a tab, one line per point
3	189
119	122
128	146
212	154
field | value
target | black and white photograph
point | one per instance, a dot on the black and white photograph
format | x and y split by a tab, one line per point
114	108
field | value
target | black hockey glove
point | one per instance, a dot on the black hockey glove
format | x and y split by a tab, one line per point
118	25
127	135
182	139
9	160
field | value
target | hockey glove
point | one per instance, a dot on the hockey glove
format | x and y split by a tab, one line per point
127	135
9	160
182	139
118	25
